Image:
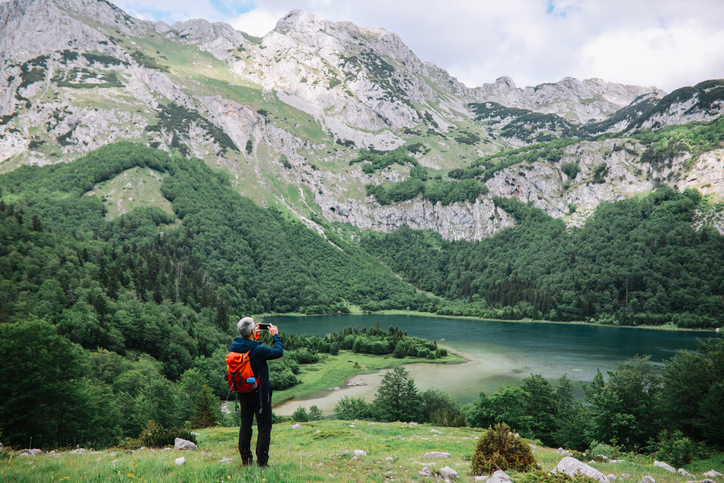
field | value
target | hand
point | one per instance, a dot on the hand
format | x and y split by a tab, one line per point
273	330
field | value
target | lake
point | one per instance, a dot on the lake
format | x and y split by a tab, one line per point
500	353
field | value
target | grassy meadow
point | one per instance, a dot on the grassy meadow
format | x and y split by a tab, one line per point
318	451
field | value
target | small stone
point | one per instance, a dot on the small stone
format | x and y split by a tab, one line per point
390	458
437	454
666	466
180	461
75	451
682	471
99	458
448	473
112	454
612	477
351	425
359	452
625	476
481	478
184	444
501	475
706	480
226	460
297	426
712	474
424	472
435	431
648	479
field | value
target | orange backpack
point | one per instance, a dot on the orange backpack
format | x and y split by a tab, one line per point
239	375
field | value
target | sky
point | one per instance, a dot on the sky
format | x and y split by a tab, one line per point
663	43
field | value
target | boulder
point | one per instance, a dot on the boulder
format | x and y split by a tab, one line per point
437	454
448	473
184	444
665	466
682	471
713	474
180	461
571	466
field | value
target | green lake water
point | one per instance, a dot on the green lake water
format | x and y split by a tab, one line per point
503	353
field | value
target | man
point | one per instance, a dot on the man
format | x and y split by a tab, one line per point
259	401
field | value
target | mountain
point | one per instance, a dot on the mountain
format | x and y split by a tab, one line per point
294	117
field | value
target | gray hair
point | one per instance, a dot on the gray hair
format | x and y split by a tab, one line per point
245	326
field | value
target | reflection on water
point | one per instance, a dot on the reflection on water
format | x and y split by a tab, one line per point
503	353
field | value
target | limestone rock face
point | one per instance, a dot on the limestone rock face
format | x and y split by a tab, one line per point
285	114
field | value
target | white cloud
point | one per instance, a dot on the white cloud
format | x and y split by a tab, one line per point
257	22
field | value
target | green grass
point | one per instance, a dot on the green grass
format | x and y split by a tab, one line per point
134	188
319	451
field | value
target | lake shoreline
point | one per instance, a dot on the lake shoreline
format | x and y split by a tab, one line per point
666	327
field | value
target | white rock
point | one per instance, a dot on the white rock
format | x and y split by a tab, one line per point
648	479
184	444
437	454
499	476
424	472
435	431
571	466
359	452
612	477
390	458
75	451
448	473
481	478
226	460
297	426
180	461
712	474
665	466
682	471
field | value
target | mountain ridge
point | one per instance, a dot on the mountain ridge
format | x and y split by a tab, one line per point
288	111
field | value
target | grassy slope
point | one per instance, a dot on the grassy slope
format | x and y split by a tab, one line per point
316	452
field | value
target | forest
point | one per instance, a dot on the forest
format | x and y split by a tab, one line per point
107	324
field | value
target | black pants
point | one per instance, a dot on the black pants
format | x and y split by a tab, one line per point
250	406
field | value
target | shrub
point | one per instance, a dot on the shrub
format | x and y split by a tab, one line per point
352	408
156	436
499	449
300	415
675	449
540	476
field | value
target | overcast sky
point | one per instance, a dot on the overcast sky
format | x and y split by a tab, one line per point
663	43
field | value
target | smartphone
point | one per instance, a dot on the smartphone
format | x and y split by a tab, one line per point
263	326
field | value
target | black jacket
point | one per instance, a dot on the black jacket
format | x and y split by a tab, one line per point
259	354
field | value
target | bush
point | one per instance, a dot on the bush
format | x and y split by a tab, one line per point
540	476
352	408
499	449
675	449
156	436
